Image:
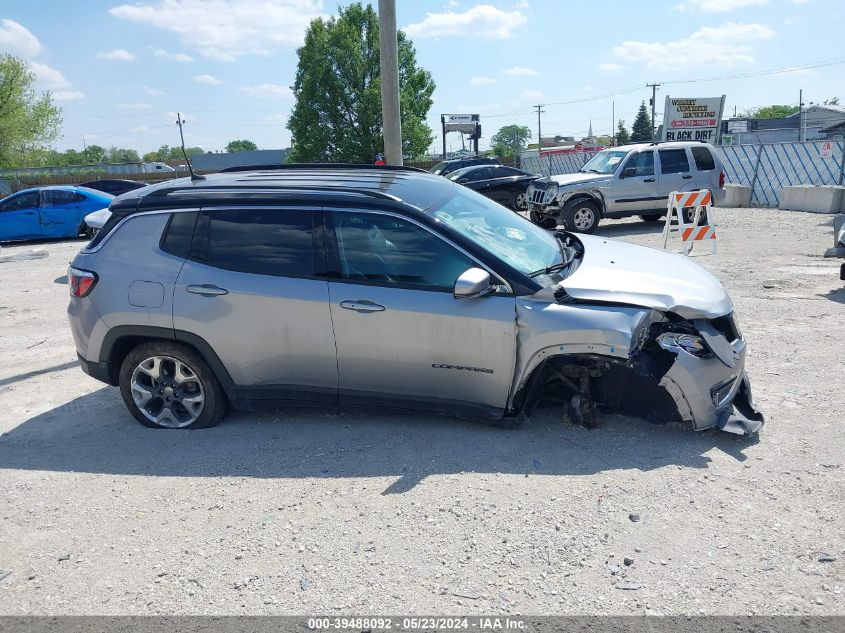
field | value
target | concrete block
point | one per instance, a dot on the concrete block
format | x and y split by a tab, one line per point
736	196
826	199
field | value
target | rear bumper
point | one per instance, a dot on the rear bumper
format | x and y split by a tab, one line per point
98	370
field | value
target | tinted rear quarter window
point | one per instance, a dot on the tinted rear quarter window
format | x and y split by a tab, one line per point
177	235
275	242
673	161
703	159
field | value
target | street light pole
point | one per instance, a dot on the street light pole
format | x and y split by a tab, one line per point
389	61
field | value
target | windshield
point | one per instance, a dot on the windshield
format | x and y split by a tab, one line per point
509	236
604	162
438	167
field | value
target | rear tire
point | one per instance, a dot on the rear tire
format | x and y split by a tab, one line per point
169	385
581	216
689	215
652	217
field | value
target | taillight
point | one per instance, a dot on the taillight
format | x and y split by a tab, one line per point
722	180
80	282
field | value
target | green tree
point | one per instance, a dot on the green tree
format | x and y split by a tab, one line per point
770	112
241	145
93	154
166	152
642	131
510	140
622	136
337	114
120	155
29	121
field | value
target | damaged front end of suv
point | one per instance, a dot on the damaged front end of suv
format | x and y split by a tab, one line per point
637	331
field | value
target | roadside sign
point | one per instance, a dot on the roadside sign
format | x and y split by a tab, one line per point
693	119
827	150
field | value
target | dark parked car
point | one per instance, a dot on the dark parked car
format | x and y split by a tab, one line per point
505	185
445	167
114	186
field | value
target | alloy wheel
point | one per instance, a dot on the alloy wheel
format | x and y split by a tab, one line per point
167	392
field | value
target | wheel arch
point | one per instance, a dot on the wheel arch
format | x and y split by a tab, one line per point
121	340
589	196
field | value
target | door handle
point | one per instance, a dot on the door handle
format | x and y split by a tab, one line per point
649	180
687	176
363	306
207	290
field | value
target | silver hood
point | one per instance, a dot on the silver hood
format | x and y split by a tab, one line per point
620	272
579	178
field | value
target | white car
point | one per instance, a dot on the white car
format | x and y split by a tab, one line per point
96	219
838	249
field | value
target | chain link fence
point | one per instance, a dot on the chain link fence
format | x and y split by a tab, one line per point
766	168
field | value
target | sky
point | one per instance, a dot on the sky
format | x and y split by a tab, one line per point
121	70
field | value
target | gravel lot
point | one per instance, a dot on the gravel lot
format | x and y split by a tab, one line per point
307	511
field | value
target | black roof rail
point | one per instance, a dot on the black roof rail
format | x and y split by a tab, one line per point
680	141
296	166
258	190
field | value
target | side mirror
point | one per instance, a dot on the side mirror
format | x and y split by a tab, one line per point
463	180
629	172
474	282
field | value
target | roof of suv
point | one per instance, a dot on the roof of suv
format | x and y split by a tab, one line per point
342	183
659	144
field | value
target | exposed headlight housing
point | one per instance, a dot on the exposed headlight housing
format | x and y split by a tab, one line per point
675	342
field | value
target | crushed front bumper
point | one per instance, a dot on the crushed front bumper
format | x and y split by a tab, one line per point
714	392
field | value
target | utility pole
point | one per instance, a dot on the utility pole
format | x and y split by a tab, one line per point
389	61
801	115
653	104
613	124
539	130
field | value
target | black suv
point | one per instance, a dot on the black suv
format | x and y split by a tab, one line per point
445	167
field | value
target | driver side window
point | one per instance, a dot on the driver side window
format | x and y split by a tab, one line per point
642	162
391	251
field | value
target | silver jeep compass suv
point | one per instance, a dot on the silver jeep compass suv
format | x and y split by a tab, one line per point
623	181
348	284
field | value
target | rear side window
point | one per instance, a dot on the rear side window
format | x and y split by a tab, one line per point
260	241
56	197
703	159
176	239
673	161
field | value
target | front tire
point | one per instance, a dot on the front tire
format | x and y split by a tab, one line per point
581	216
543	221
169	386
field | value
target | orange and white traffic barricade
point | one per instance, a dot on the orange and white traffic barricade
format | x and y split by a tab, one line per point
698	225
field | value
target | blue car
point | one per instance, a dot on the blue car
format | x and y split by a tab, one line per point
49	212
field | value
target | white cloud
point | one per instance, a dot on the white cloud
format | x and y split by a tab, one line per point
481	80
153	92
134	106
531	94
482	20
172	57
800	1
725	45
49	77
16	39
268	90
227	29
207	79
680	8
610	67
68	95
520	71
523	4
117	55
723	6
